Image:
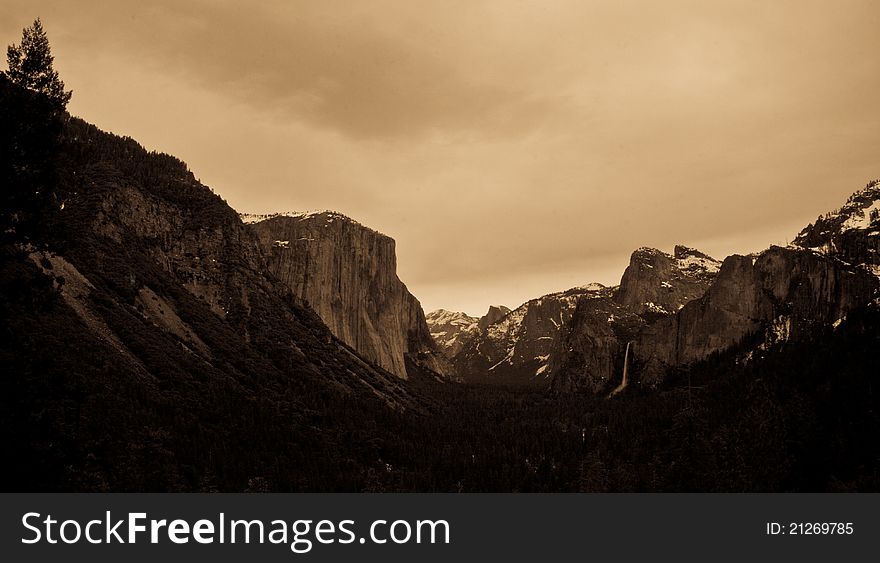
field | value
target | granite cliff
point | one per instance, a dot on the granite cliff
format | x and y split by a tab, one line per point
581	329
146	345
161	248
778	295
516	348
348	274
492	316
589	353
752	303
662	283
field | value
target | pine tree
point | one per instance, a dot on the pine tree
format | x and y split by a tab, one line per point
30	65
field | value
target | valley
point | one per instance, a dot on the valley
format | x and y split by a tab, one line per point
155	339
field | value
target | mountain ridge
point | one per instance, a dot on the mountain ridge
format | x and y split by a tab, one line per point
145	327
768	298
523	346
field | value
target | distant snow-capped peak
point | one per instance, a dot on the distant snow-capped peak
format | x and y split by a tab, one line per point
450	329
444	317
861	212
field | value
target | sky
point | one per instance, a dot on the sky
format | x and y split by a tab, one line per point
511	148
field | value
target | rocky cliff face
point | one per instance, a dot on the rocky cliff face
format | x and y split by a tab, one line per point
161	246
574	338
348	274
589	354
850	234
778	295
752	304
492	316
517	347
661	283
143	325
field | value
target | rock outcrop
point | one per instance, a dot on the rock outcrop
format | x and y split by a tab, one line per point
144	331
162	247
573	338
778	295
348	274
851	234
658	282
589	354
492	316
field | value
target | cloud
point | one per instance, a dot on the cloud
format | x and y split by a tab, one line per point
334	69
521	146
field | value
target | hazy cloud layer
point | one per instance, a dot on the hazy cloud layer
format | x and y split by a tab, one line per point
511	148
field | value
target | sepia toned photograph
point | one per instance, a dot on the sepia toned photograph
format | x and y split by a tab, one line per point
440	246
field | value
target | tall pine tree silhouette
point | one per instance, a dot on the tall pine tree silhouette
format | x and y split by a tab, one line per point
30	65
32	104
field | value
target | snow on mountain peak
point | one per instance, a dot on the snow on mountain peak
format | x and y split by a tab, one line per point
862	209
705	263
861	212
862	217
450	329
594	286
442	317
685	258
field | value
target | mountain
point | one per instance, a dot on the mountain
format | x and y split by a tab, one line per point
492	316
781	294
348	274
754	303
590	351
851	234
515	348
662	283
451	329
145	343
530	343
778	295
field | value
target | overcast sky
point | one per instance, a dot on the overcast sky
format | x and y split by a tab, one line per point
511	148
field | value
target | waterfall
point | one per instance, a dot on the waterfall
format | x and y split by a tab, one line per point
625	378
